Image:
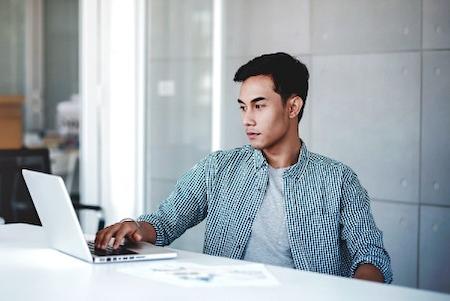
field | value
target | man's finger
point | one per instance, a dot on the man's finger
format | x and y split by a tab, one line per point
136	235
107	235
121	233
99	237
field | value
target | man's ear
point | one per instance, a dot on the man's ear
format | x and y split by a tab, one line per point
295	104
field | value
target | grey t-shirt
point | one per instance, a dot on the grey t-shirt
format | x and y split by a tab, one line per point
268	241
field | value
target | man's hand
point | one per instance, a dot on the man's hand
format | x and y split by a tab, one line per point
129	230
369	272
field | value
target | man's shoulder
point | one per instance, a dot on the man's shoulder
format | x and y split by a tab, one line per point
226	160
235	155
327	164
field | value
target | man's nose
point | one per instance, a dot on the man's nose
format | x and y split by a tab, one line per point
248	118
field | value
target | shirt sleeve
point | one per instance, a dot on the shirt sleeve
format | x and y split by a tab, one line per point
184	208
364	240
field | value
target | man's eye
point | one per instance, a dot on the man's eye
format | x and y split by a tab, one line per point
242	108
259	106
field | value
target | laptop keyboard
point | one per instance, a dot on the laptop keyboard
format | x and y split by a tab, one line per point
109	251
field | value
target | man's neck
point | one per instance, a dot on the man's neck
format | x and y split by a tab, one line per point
283	155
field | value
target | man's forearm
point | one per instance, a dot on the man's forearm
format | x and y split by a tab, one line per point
369	272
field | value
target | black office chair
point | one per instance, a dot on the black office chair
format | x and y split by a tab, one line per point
16	205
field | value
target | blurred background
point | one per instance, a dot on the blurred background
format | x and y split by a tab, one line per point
128	95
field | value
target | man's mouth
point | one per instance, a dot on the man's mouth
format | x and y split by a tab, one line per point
252	135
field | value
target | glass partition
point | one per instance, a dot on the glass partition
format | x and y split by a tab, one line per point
39	77
178	116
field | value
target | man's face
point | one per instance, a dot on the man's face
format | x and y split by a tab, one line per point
266	120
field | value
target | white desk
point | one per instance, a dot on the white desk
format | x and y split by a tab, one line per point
31	271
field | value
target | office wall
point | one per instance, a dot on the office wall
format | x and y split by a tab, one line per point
60	35
379	102
61	53
12	47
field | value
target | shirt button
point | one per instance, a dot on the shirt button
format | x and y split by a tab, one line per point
239	246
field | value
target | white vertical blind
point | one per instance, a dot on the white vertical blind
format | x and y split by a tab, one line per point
33	65
217	75
112	100
90	91
122	108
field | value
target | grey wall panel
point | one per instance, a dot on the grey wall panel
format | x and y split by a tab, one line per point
254	27
179	87
355	25
233	134
172	161
434	259
179	111
436	24
435	128
180	28
180	102
366	113
192	240
159	190
305	126
399	223
179	129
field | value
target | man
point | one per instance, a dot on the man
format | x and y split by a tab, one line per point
272	201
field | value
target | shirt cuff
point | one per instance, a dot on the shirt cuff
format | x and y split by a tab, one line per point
384	267
153	220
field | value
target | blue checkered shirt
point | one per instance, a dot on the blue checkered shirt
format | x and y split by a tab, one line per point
330	227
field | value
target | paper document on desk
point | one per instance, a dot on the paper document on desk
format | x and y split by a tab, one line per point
195	275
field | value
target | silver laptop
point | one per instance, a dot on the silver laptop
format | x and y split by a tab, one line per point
55	210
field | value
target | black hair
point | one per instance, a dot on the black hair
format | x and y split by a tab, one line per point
289	75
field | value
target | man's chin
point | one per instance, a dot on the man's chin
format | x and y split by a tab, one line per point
256	145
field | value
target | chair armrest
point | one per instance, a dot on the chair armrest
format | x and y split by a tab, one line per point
87	207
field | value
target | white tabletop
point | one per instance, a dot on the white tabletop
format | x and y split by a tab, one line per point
29	270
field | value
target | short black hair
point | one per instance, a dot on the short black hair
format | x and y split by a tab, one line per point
289	75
